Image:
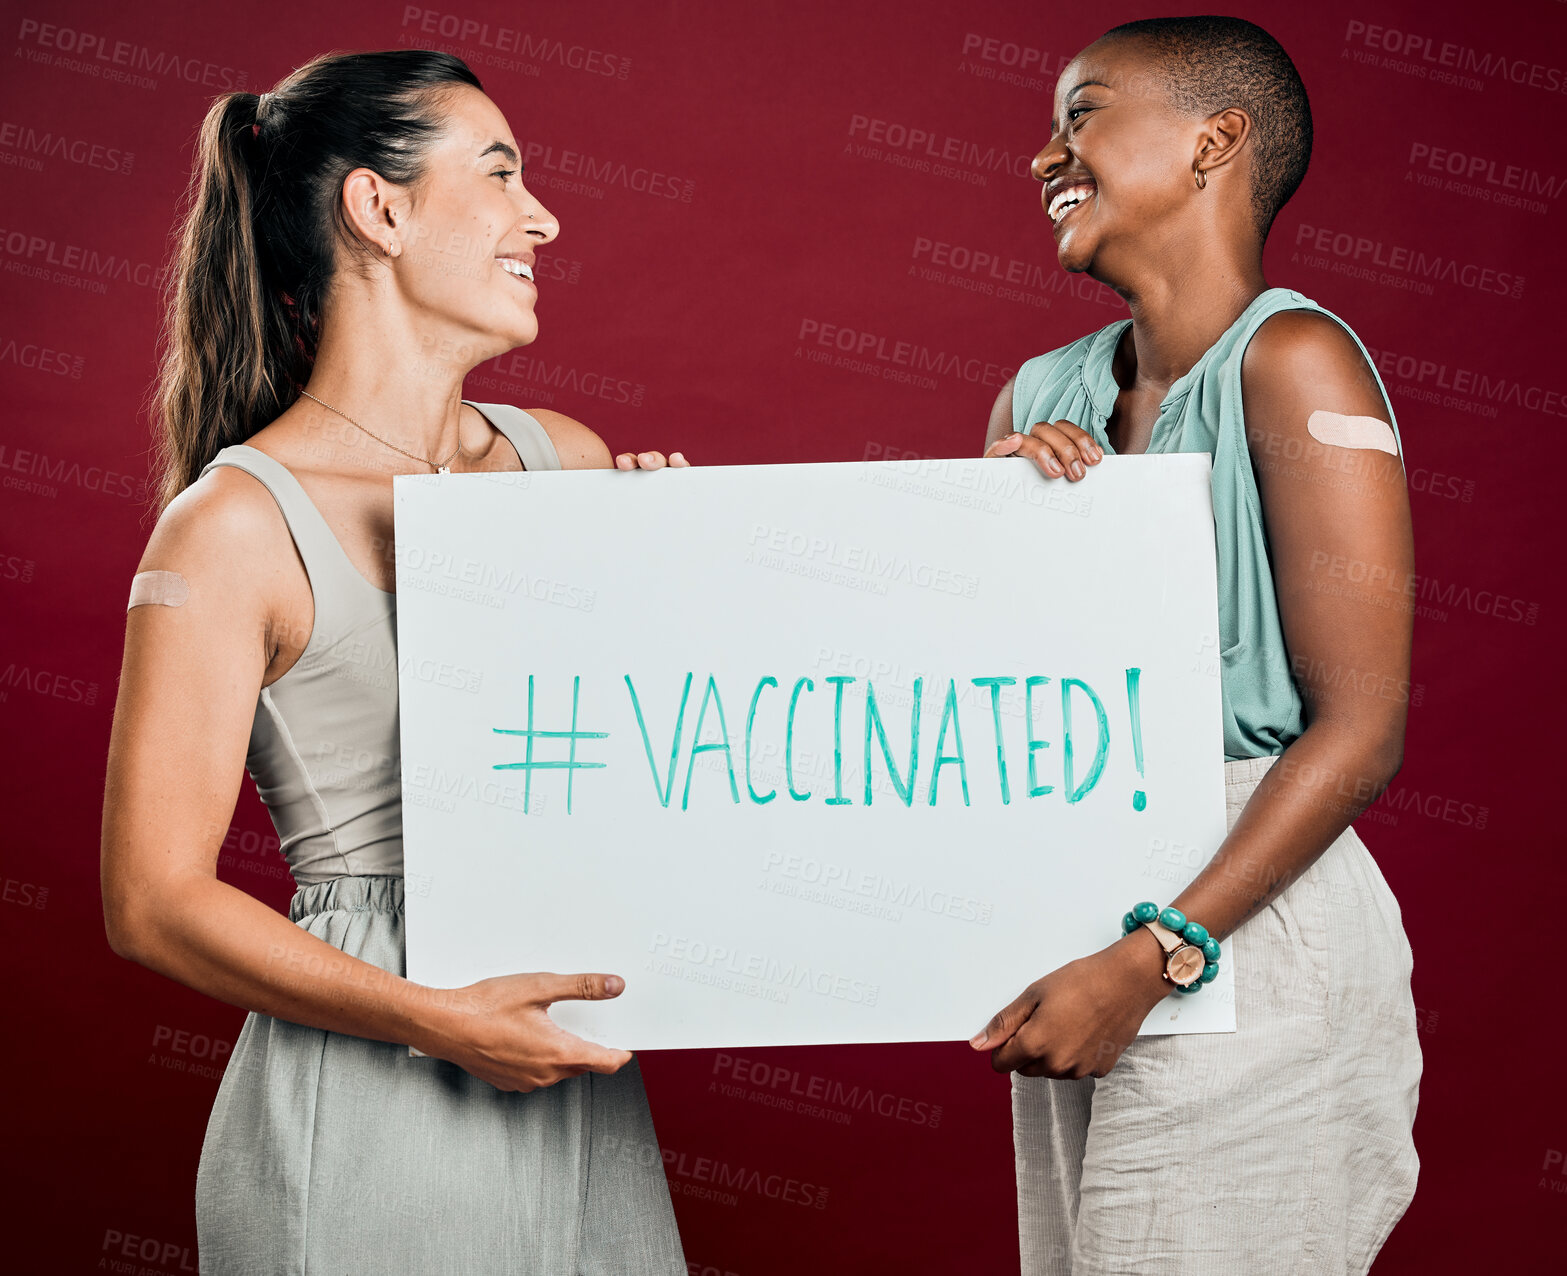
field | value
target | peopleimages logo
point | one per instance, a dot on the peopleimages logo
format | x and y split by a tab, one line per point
721	1175
777	1086
37	358
1427	58
118	61
45	682
1012	55
33	254
872	348
1496	391
1008	62
927	151
32	144
1485	169
986	273
20	466
760	968
542	377
1362	257
588	170
513	40
767	542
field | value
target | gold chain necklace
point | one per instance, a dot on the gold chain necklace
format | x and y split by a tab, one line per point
441	467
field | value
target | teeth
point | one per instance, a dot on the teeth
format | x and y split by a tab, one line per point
1068	198
514	267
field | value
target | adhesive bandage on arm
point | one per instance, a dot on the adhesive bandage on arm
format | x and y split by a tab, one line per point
1338	430
165	589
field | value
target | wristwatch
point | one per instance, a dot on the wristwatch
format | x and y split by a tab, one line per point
1183	962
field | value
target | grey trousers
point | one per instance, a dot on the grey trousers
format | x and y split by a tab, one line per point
1284	1147
333	1154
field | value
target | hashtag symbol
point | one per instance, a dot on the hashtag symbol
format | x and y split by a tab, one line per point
571	766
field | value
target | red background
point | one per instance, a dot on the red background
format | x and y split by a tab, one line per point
690	310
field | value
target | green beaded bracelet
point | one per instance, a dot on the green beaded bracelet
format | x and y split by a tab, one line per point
1193	933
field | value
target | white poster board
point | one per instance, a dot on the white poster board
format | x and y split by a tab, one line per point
759	894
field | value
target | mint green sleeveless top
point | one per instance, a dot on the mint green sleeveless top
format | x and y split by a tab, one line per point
1202	412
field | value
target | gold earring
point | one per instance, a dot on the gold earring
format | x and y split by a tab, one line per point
1202	177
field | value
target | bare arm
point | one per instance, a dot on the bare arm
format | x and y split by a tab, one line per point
1334	516
188	687
190	680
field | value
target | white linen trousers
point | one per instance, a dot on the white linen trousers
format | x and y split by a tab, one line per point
1284	1148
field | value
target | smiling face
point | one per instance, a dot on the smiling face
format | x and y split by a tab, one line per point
468	241
1117	170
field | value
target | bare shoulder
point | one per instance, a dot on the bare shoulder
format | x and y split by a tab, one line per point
1295	352
578	446
226	519
225	535
1299	363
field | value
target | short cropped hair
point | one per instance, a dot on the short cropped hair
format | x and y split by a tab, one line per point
1209	63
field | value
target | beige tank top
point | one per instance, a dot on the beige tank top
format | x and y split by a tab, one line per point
324	750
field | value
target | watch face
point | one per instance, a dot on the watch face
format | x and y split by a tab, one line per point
1185	964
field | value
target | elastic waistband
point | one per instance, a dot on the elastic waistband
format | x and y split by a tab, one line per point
1245	772
352	894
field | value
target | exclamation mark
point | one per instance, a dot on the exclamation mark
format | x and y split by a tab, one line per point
1134	703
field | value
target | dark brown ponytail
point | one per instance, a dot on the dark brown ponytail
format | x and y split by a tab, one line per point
261	235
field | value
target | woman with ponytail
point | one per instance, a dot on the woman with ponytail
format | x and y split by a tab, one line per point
357	240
